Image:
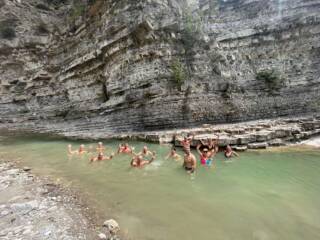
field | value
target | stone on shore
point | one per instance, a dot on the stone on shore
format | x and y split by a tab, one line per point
112	226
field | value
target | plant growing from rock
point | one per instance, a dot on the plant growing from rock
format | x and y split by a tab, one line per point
7	29
178	72
42	29
271	78
191	24
7	33
78	9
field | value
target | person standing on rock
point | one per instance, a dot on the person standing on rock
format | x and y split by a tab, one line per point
229	152
190	162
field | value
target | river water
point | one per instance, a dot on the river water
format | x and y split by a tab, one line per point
260	195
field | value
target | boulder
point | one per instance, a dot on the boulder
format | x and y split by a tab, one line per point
262	145
276	142
112	226
240	148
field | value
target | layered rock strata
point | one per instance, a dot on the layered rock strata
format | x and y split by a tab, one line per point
111	71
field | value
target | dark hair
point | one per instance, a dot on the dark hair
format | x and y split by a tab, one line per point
174	149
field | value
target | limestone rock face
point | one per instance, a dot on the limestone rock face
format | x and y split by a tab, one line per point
110	70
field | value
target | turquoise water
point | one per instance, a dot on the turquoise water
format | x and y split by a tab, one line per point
260	195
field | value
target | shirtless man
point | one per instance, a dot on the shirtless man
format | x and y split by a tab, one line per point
138	161
145	151
125	148
186	142
174	155
100	147
190	162
228	153
101	157
81	150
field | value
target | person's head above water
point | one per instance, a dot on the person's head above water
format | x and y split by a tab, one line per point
145	149
228	148
100	143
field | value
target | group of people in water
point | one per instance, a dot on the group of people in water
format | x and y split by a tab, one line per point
206	150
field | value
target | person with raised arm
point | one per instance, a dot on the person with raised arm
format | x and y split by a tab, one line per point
138	161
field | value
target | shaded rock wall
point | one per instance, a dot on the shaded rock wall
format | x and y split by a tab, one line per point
111	71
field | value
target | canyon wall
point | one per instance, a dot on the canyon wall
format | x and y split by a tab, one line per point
157	64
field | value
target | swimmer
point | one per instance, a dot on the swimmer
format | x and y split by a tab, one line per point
228	153
81	150
125	148
205	156
145	151
138	161
190	162
100	147
186	143
174	155
101	157
211	145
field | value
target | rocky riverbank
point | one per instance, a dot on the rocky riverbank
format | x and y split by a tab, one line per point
32	209
242	136
258	134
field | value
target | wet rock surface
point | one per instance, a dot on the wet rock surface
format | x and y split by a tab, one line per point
33	209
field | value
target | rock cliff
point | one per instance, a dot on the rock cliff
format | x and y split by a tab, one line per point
119	65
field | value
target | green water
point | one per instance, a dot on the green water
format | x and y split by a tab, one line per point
261	195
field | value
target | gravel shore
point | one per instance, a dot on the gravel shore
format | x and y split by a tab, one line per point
34	208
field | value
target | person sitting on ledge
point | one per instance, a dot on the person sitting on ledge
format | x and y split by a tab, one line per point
173	154
81	150
138	161
186	143
125	148
230	153
101	157
190	162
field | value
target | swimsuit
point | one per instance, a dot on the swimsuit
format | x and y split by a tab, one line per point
209	162
189	169
205	161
